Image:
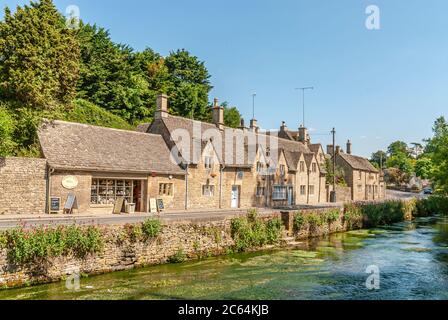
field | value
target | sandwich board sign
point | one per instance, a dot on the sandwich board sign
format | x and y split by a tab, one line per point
55	204
118	206
153	205
160	205
70	204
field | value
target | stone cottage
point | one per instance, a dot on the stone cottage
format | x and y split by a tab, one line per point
366	181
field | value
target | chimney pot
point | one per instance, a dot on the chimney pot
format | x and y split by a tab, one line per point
338	149
349	147
218	114
303	135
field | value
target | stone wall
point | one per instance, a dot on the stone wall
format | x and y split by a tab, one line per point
22	186
195	239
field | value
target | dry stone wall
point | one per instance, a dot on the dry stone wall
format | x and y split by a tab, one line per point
23	184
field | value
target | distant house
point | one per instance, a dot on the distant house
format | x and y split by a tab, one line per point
362	177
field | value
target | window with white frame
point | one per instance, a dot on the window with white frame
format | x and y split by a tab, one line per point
208	190
303	190
106	191
261	191
279	193
311	190
165	189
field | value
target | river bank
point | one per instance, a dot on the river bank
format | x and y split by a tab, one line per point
29	257
412	258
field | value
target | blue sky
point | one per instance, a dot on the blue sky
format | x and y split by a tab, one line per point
374	86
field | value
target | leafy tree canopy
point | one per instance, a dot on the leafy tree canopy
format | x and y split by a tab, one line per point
39	56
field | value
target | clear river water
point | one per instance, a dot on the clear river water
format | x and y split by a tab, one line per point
411	257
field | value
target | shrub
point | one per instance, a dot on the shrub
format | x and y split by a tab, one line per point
314	220
352	215
25	246
151	228
299	221
178	257
251	231
273	230
333	216
431	206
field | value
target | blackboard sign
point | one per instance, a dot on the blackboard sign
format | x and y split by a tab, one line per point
160	205
55	204
71	203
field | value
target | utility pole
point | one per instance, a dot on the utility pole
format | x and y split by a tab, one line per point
333	193
303	101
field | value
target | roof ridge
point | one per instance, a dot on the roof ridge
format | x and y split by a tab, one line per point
101	127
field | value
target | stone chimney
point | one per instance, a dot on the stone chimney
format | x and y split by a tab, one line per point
162	107
330	149
254	125
242	125
338	149
283	127
303	135
218	115
349	147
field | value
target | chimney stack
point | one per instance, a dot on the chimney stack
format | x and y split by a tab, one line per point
303	135
218	114
162	107
242	125
330	149
338	149
254	125
283	127
349	147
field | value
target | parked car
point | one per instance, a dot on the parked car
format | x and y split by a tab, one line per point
428	191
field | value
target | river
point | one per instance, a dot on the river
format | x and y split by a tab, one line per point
411	257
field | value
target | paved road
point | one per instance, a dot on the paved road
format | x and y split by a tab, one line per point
46	220
29	222
392	194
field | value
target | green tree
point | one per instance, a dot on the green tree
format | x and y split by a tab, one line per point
437	150
7	128
398	148
379	158
39	56
232	117
423	167
401	162
108	76
189	85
